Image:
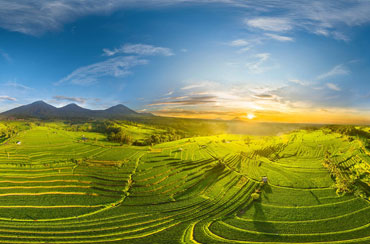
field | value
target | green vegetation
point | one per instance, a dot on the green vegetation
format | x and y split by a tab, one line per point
77	183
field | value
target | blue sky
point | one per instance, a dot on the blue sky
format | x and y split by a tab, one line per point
306	61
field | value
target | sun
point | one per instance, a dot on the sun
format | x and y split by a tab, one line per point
250	116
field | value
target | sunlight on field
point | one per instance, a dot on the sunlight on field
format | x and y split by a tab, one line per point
57	188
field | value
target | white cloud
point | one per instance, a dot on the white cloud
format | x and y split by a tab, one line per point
168	93
244	49
116	67
335	71
243	44
333	87
107	52
5	56
193	86
279	37
70	99
239	43
299	82
270	24
139	49
326	18
17	85
7	98
257	66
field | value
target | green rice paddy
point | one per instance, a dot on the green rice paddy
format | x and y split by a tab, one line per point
58	188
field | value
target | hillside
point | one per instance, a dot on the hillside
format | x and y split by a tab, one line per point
60	188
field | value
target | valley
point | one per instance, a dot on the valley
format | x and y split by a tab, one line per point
59	188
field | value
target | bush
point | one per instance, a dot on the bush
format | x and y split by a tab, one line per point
255	196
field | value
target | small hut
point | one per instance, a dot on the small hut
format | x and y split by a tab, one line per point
19	142
264	179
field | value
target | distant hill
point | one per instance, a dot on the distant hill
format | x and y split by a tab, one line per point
42	110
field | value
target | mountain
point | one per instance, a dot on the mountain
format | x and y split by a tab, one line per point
118	110
42	110
74	111
38	109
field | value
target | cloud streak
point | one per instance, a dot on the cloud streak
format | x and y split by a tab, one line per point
270	24
333	86
5	56
257	66
116	67
326	18
7	98
17	85
70	99
335	71
279	38
139	49
34	17
190	101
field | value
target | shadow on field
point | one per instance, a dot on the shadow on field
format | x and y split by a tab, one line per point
259	220
266	190
316	198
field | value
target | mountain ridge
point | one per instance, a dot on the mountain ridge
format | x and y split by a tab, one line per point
42	110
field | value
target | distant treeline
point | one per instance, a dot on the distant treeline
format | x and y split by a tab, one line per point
349	130
189	127
116	132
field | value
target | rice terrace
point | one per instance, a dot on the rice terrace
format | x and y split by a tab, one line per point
184	122
63	186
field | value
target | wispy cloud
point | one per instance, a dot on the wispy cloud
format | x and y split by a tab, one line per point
326	18
34	17
7	98
193	86
335	71
5	56
242	44
239	43
168	93
299	82
116	67
333	86
279	37
270	24
17	85
70	99
257	66
190	101
297	97
139	49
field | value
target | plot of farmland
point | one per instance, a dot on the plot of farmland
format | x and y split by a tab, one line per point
57	188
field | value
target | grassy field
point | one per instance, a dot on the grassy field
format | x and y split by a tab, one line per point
59	186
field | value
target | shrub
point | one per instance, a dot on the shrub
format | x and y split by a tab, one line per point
255	196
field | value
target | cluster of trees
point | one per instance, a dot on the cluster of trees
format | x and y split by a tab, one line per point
79	127
349	130
163	137
353	132
7	131
164	129
348	180
121	137
116	132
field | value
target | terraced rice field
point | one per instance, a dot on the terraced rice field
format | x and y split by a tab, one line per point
57	188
